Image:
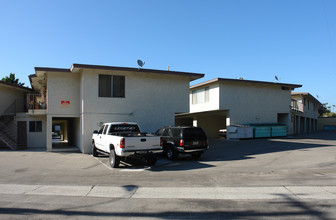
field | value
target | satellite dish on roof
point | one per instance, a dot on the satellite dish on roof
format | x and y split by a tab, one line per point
140	63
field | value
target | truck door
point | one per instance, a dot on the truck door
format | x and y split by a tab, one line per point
105	139
99	141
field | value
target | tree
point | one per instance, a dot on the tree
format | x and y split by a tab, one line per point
11	79
324	111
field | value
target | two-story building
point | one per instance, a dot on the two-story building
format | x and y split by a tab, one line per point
304	110
66	105
221	102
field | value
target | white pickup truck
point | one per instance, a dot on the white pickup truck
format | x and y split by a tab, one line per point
124	139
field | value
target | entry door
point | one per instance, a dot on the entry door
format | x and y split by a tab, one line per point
22	134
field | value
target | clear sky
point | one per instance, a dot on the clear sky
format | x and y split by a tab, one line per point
253	39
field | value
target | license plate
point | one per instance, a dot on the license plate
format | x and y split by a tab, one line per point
195	142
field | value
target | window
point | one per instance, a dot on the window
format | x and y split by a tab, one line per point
104	132
200	95
35	126
111	86
166	132
101	129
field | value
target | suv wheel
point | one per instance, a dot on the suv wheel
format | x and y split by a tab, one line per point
171	153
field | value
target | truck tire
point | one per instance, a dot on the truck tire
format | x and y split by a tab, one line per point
171	153
94	150
114	159
151	160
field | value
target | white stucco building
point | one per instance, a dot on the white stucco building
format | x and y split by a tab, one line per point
304	108
220	102
71	103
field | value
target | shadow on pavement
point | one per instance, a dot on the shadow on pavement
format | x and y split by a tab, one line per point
224	150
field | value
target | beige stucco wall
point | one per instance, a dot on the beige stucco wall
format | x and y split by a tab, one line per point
212	104
63	87
34	139
150	100
8	95
251	103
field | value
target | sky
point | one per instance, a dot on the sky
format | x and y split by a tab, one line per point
294	40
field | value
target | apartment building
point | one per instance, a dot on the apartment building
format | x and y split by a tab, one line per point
221	102
304	112
66	105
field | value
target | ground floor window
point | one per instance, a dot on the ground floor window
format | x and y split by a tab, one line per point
35	126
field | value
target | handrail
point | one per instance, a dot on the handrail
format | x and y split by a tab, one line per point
11	107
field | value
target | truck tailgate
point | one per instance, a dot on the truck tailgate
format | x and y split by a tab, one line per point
142	143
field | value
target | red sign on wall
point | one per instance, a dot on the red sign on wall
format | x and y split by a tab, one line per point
65	103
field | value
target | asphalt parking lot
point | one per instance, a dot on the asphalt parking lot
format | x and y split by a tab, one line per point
235	178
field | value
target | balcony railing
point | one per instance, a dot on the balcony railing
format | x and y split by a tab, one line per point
296	106
35	101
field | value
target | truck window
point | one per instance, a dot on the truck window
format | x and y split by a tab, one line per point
124	128
101	129
106	126
159	132
165	132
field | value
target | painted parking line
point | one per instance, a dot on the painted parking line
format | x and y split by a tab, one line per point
215	193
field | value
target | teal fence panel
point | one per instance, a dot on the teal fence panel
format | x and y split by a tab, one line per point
279	131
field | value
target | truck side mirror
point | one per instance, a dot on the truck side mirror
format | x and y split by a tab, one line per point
95	132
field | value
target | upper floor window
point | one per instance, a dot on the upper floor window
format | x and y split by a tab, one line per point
111	86
200	95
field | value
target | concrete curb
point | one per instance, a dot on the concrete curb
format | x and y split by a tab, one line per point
216	193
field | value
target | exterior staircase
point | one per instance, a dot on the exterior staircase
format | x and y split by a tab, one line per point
6	137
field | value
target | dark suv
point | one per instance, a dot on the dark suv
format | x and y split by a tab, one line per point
182	140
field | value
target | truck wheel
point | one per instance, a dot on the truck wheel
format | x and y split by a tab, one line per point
151	160
114	159
94	150
171	153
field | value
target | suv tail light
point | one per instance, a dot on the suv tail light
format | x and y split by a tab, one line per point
122	143
161	141
181	143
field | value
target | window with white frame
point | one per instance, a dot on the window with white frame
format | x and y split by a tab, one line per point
200	95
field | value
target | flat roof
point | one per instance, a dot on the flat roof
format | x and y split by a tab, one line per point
193	76
245	81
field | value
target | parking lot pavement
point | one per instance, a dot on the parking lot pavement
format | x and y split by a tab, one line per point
293	177
301	161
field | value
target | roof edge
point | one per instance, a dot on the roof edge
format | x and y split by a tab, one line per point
88	66
244	81
51	69
15	85
305	94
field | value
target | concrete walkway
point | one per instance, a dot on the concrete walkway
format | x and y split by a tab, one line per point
216	193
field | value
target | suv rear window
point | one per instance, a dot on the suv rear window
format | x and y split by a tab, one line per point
194	133
176	132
